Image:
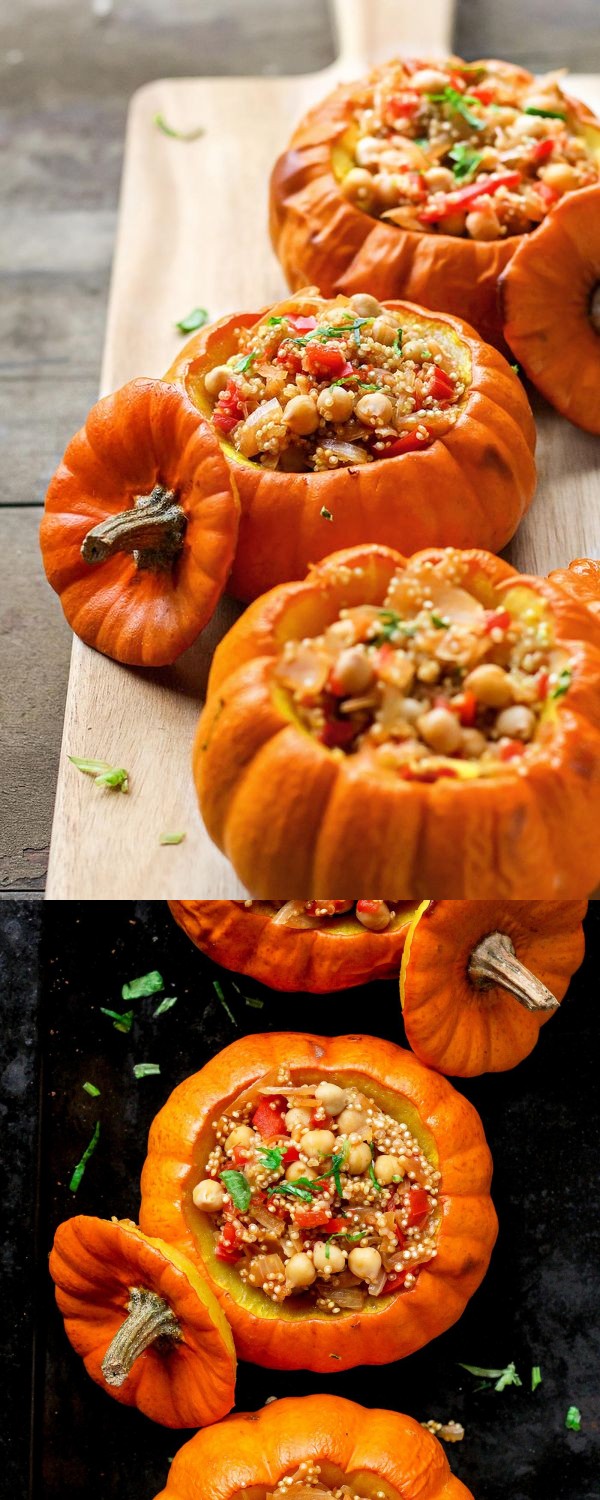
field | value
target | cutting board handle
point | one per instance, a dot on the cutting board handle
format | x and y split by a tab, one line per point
369	31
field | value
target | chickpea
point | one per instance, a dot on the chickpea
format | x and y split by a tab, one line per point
528	125
441	730
388	188
560	176
387	1168
352	1121
317	1143
384	331
374	409
301	415
417	349
365	306
332	1097
335	403
473	744
490	684
483	224
429	80
368	149
216	379
439	180
374	915
241	1135
357	186
328	1259
358	1159
299	1270
209	1196
353	672
517	722
297	1119
297	1169
428	671
366	1264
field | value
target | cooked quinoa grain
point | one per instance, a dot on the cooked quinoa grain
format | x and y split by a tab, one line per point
306	1484
481	150
376	916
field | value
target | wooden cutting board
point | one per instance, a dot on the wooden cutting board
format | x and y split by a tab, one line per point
192	230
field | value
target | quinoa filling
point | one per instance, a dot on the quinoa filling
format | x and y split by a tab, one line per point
473	149
376	916
433	682
316	1192
346	383
307	1483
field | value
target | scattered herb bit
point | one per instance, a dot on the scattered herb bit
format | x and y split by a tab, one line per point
376	1184
516	368
238	1188
195	319
302	1188
81	1165
392	625
145	1070
147	984
342	1234
337	1162
122	1020
573	1419
90	1088
177	135
536	1377
465	160
502	1378
398	341
103	773
243	364
220	996
271	1157
326	514
563	684
253	1002
273	322
166	1004
547	114
171	838
459	103
440	621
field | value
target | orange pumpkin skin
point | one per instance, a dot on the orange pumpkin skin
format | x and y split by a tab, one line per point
320	237
95	1263
333	956
179	1144
290	815
145	435
469	488
382	1452
464	1030
550	301
582	580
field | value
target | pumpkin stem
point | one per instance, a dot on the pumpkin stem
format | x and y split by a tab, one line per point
149	1318
595	309
494	961
152	529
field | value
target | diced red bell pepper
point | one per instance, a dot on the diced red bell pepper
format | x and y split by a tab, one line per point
439	386
410	443
482	93
227	1247
317	1116
240	1156
312	1218
542	150
302	324
542	683
292	1154
337	734
311	906
268	1117
402	106
418	1206
548	194
400	1235
394	1282
497	619
465	704
324	361
290	356
415	773
338	1226
511	750
465	197
228	410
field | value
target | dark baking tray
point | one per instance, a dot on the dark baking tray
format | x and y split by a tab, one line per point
539	1304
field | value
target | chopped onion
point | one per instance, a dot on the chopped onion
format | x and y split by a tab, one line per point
348	453
351	1297
265	1267
376	1286
293	914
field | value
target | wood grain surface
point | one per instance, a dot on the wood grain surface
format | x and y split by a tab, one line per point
192	230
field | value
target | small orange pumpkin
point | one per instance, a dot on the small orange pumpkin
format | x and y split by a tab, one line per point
380	1455
582	580
140	525
290	812
465	966
550	299
470	487
146	1325
305	953
289	1336
321	237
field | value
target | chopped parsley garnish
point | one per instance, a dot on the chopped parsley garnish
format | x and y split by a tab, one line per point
501	1378
342	1234
459	103
376	1184
392	626
465	160
536	1377
339	331
221	998
398	341
272	322
563	683
196	319
165	1005
271	1157
104	774
302	1188
177	135
147	984
90	1088
440	621
573	1419
337	1162
146	1070
243	364
81	1165
325	513
122	1020
238	1188
171	838
547	114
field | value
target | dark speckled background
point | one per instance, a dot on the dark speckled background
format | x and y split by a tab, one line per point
538	1305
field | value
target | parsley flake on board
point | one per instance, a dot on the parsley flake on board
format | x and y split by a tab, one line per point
165	1005
147	984
81	1165
122	1020
573	1419
114	777
171	838
536	1377
222	1001
146	1070
177	135
501	1378
90	1088
195	319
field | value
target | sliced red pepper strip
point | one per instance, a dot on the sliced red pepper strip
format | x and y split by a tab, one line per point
419	1206
337	734
511	750
542	150
394	1282
312	1218
463	197
498	619
323	360
410	443
268	1118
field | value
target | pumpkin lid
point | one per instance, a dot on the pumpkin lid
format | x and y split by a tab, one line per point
147	1325
141	524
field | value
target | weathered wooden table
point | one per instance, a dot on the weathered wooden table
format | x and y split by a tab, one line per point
66	75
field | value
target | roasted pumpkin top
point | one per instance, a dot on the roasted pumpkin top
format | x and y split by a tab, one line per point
482	150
